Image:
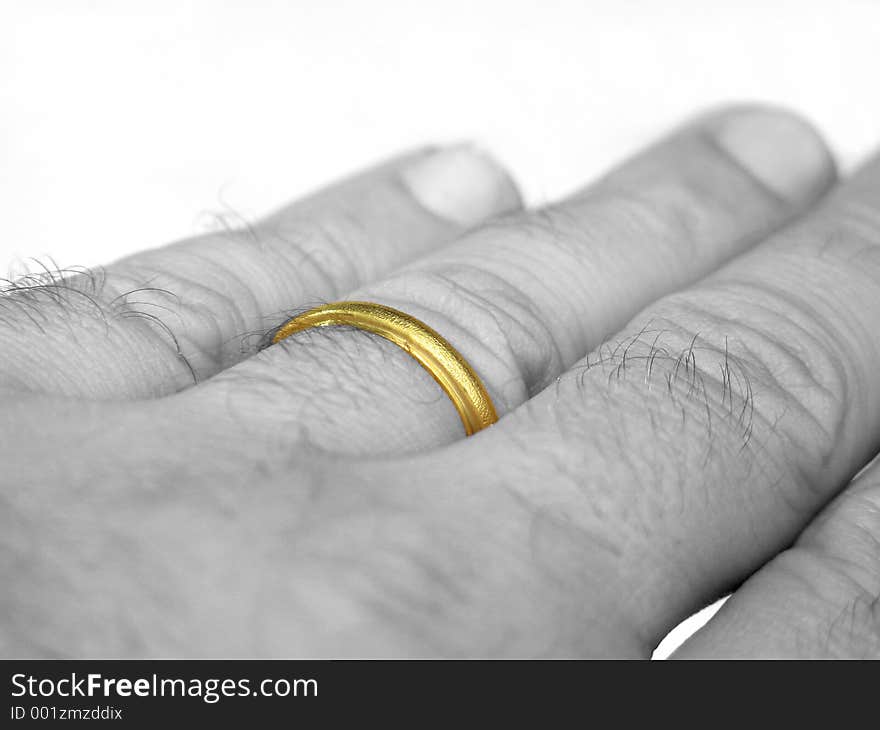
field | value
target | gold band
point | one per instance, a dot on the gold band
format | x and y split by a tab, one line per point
436	355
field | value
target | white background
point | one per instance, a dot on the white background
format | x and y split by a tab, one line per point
127	124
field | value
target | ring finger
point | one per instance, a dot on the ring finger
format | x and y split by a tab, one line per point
523	297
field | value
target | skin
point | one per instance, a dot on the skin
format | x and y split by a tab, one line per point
683	355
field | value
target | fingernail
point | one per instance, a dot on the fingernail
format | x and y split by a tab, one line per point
461	184
781	150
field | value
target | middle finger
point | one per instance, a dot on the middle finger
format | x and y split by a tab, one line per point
695	449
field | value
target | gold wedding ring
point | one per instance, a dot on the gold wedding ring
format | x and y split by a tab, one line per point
435	354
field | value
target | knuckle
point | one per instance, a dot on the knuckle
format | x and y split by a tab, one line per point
670	211
792	355
851	227
675	213
492	320
82	313
162	296
671	215
708	379
191	288
845	238
334	252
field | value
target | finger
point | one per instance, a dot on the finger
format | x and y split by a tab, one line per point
708	433
525	296
156	321
818	599
180	545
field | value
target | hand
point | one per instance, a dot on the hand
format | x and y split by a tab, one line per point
684	356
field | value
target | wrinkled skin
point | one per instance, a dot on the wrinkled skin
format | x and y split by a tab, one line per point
684	355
